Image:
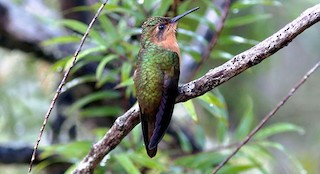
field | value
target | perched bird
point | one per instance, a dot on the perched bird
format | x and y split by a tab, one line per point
156	77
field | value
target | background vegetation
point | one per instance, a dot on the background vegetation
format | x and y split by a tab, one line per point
204	131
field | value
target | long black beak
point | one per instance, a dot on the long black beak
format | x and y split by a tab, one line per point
175	19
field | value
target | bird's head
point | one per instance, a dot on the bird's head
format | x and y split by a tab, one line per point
161	30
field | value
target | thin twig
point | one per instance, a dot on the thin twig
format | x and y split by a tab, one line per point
62	83
268	116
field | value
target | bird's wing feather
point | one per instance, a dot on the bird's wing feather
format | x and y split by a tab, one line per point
170	91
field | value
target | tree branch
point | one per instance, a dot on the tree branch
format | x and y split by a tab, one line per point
125	123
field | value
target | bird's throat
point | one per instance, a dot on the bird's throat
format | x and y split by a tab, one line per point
170	43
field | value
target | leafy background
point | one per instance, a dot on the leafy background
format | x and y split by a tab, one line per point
220	118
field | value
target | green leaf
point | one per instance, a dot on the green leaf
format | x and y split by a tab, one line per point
77	81
60	64
212	6
200	135
184	142
209	97
136	135
94	97
102	64
84	53
128	82
256	155
244	20
191	50
277	128
213	109
108	27
84	62
145	161
103	111
82	28
215	104
246	121
184	6
126	163
193	35
131	49
221	54
71	150
45	164
164	6
236	168
229	39
100	132
113	9
222	129
199	18
240	4
296	163
74	25
111	76
61	40
125	71
200	161
189	106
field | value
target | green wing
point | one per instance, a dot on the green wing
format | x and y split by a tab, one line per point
167	102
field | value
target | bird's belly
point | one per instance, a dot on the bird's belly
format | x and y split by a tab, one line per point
149	90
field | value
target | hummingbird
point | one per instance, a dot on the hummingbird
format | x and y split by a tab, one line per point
156	77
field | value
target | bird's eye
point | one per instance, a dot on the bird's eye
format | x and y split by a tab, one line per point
161	26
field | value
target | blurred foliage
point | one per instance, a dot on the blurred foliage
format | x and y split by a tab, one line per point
21	99
23	94
113	44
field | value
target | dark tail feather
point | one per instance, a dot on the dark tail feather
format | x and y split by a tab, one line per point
147	131
163	118
151	152
164	114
